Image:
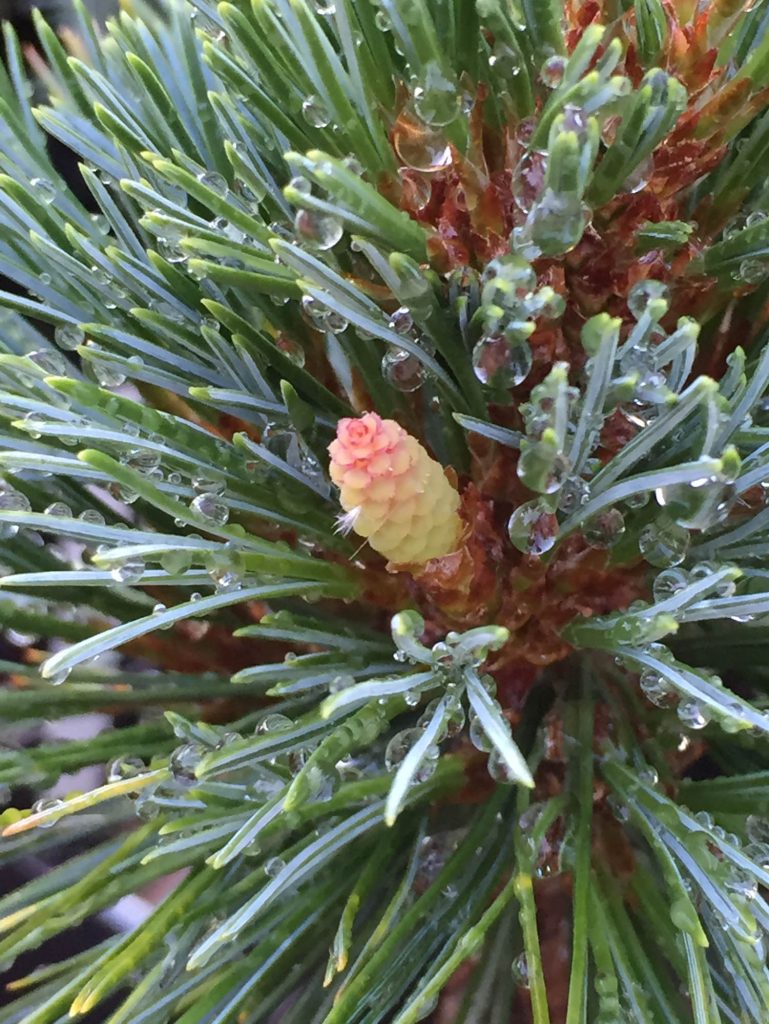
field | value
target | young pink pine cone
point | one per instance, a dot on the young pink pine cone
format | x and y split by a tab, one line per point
393	493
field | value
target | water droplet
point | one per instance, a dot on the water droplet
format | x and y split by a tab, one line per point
170	251
324	8
107	376
335	322
557	222
454	721
125	768
758	853
315	112
281	441
605	528
71	439
159	608
50	361
417	188
532	528
208	485
321	784
644	292
342	682
692	714
752	270
141	459
41	806
551	72
124	494
399	746
314	312
12	501
322	231
145	806
69	336
128	571
698	504
705	819
502	360
742	884
44	190
196	273
214	181
273	866
401	321
58	508
301	184
639	176
252	194
637	500
508	281
304	460
184	760
650	776
529	180
436	99
402	369
477	735
175	562
419	146
92	516
100	223
30	424
756	217
520	971
574	493
225	579
757	829
488	682
274	722
498	769
540	472
382	21
546	303
664	544
668	583
291	349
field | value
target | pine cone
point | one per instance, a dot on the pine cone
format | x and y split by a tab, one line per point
393	493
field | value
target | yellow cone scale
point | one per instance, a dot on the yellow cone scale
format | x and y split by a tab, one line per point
392	492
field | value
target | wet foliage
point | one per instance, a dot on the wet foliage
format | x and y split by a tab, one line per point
524	779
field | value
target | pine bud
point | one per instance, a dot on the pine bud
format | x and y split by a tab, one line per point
392	492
